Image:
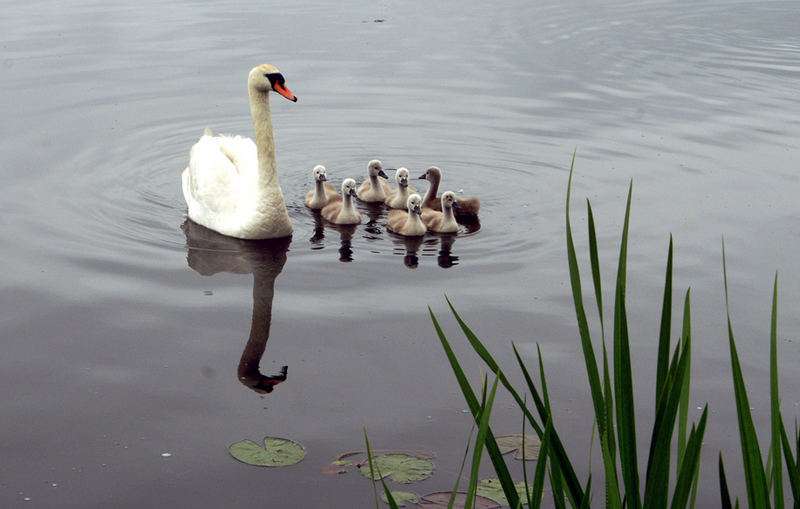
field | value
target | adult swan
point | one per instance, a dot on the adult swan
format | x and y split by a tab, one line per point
231	185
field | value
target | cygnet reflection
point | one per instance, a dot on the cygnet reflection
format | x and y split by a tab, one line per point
210	253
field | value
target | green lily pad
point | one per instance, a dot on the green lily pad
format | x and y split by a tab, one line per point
276	452
490	488
401	497
402	468
440	499
508	443
341	463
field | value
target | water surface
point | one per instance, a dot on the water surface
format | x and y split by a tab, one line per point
125	332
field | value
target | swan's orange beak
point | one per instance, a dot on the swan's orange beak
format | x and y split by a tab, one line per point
285	92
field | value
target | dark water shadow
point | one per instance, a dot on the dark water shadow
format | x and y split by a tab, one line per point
210	253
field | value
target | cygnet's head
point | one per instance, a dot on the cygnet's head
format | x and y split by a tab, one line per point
375	169
449	200
433	174
402	177
267	78
319	173
349	187
414	204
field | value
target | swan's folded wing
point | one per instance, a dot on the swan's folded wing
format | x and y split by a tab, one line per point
220	169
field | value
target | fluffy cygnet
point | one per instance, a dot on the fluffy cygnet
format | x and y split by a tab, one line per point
408	223
374	189
323	193
343	211
467	206
444	221
397	198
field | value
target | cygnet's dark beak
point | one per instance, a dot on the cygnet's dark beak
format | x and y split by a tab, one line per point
416	209
352	192
456	205
403	183
423	176
323	178
381	173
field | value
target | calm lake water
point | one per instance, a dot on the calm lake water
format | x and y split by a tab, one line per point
125	332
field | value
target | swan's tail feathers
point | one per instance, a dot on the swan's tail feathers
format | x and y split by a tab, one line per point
207	131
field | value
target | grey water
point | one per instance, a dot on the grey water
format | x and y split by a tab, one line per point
136	347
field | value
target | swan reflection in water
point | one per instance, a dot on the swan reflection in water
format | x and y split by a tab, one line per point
211	253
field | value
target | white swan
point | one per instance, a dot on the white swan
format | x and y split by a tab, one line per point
323	193
374	189
408	223
231	184
396	198
343	211
444	221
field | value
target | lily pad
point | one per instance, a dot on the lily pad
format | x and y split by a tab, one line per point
276	452
402	468
490	488
401	497
440	499
509	443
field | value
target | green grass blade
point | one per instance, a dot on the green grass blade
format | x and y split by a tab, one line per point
725	494
683	416
623	383
791	466
755	478
583	324
690	463
372	468
492	449
775	405
595	261
571	479
535	497
666	325
483	431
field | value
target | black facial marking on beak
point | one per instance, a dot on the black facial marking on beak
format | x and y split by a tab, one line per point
381	173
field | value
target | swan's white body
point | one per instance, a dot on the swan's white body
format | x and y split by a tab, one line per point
231	184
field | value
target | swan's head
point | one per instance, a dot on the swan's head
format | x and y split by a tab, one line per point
433	174
319	173
402	177
349	187
267	78
414	204
375	169
449	200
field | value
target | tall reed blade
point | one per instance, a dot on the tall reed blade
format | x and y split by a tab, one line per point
506	482
623	378
755	476
666	325
725	494
690	463
775	405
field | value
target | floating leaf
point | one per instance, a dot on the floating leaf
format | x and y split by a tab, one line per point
491	488
401	467
341	463
401	497
439	500
276	452
508	443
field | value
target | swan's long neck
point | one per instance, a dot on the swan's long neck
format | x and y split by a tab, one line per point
447	215
347	205
414	222
432	190
265	142
319	191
